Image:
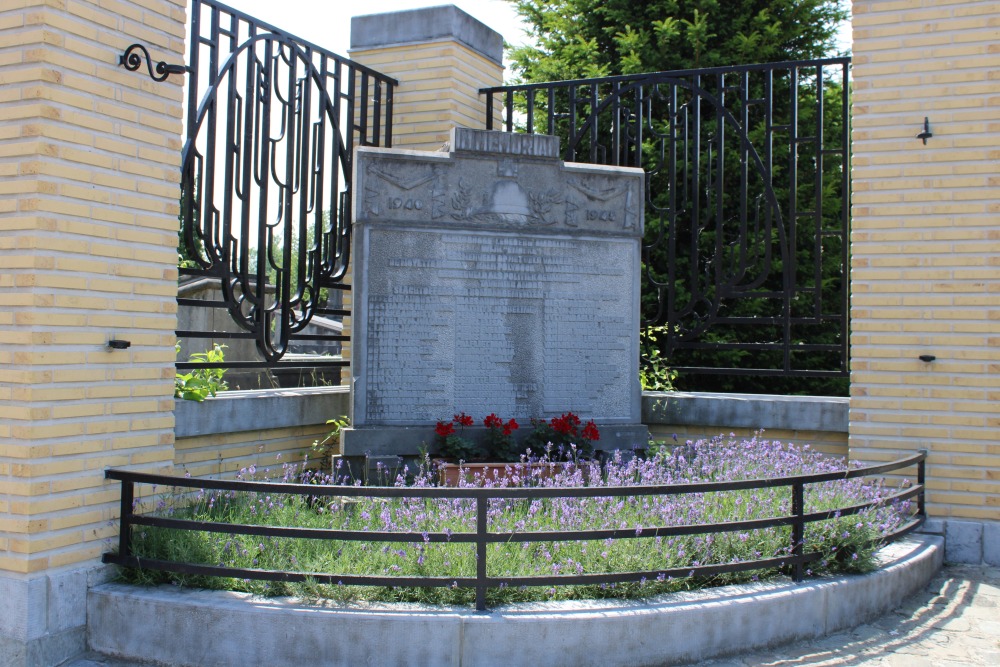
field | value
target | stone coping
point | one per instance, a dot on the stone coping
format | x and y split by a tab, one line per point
766	411
425	25
184	627
234	411
259	410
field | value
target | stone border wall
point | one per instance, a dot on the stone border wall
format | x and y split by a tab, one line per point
817	421
237	429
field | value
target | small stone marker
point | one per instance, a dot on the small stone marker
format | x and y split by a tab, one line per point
493	279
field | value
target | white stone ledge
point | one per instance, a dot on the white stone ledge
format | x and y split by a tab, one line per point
259	410
184	628
235	411
766	411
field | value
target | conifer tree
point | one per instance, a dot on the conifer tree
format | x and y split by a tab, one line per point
589	38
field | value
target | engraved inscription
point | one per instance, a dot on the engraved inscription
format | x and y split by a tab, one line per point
603	216
407	203
488	322
481	141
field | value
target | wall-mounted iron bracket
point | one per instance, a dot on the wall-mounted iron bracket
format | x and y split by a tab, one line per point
131	61
926	134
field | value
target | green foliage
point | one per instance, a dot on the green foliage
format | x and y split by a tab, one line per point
562	438
325	448
454	444
201	383
302	259
589	38
655	373
499	441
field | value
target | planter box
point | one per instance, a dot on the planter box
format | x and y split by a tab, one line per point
449	474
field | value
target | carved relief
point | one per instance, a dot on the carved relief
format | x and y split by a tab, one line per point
403	194
461	201
397	189
599	204
542	204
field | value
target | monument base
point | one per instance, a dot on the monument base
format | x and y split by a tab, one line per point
406	441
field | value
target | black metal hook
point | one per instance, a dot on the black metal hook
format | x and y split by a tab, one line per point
131	61
926	134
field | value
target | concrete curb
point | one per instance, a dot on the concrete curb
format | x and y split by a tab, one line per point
204	628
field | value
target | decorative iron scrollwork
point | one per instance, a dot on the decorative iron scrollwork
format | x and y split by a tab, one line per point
266	176
131	61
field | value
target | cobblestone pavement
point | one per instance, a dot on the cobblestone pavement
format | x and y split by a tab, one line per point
954	622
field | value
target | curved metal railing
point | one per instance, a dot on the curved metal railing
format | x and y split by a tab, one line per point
482	536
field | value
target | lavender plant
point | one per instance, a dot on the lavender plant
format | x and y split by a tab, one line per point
848	543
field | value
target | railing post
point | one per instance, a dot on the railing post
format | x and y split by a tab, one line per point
125	526
798	528
481	506
921	479
509	106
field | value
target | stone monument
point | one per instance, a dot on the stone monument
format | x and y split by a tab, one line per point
493	278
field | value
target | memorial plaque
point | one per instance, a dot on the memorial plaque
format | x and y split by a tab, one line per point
493	278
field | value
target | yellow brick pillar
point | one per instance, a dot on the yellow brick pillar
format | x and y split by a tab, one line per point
441	57
925	276
89	158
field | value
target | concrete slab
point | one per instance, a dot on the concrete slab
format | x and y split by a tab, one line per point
991	543
963	542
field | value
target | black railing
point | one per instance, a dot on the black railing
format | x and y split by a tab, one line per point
746	254
272	121
482	537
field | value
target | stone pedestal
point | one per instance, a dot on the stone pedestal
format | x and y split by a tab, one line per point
493	279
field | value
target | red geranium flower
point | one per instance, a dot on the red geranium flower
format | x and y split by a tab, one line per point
510	427
590	431
444	430
492	421
561	425
463	419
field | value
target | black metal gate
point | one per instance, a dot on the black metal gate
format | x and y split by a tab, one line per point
272	121
746	248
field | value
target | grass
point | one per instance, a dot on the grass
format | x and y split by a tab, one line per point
848	543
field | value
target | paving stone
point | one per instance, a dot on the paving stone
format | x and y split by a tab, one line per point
867	633
909	661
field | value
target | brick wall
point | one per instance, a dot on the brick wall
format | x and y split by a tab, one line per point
925	277
438	89
222	456
441	57
89	157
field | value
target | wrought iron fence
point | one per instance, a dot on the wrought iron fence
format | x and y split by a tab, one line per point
746	253
482	536
271	124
